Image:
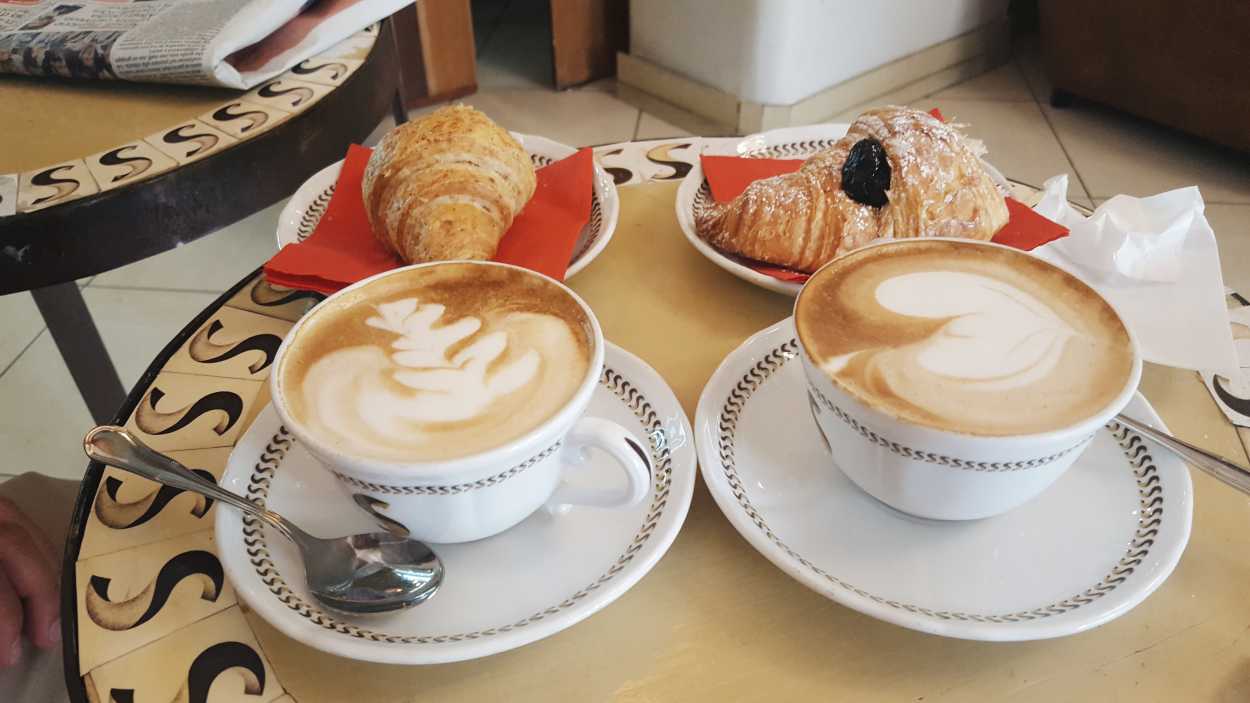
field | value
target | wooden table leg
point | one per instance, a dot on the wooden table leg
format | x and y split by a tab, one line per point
79	342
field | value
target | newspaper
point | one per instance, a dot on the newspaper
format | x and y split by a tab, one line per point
230	43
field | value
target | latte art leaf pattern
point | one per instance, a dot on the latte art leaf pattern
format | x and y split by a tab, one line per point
418	375
455	388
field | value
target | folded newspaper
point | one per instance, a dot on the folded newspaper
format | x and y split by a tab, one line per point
231	43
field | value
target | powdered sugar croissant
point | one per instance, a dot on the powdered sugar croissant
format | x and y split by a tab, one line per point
446	186
897	173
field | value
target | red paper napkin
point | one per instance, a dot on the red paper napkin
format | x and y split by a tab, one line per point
728	176
343	250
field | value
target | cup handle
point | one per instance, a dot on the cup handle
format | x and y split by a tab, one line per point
595	433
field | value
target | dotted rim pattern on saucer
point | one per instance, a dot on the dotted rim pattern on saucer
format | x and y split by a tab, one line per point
1149	493
271	461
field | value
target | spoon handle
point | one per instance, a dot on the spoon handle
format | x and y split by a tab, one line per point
116	446
1232	474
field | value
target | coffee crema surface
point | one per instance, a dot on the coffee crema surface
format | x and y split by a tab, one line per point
975	339
437	363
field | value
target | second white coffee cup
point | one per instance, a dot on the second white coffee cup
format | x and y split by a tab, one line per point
478	495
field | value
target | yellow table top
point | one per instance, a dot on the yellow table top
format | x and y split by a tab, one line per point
715	621
48	121
94	136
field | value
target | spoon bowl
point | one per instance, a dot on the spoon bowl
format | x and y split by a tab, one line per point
375	572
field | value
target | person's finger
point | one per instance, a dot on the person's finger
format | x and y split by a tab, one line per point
10	624
33	577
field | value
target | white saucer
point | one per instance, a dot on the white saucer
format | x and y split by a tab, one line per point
1086	551
694	194
304	210
530	582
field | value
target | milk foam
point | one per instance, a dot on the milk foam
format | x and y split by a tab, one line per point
986	342
437	379
998	336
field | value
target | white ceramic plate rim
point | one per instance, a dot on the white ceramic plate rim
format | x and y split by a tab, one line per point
750	144
1164	554
296	209
228	527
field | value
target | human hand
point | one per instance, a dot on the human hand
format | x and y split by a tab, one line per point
29	586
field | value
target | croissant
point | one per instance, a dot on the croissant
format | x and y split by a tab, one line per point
897	173
446	186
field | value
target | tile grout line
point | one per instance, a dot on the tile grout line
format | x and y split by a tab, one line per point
1062	147
23	351
1015	59
1037	102
637	125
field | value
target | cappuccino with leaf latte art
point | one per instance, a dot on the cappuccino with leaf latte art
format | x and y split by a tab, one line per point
436	363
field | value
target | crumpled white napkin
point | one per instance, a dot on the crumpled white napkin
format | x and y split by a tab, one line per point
1155	259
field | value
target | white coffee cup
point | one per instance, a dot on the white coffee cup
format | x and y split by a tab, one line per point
941	474
478	495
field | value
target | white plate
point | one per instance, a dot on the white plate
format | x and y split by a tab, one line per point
1086	551
304	210
694	194
530	582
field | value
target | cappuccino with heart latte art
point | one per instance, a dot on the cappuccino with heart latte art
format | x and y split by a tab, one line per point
436	363
969	338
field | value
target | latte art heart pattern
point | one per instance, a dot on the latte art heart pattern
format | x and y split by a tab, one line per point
996	336
985	341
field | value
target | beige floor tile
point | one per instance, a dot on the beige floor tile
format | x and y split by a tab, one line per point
212	263
42	417
903	96
1231	224
906	95
668	112
652	127
20	321
575	117
1020	142
1003	83
1117	153
137	324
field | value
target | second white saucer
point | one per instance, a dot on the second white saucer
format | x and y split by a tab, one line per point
1094	545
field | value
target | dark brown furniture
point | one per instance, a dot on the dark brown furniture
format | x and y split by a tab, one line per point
1184	65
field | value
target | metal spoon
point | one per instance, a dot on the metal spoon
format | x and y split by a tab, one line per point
367	573
1232	474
